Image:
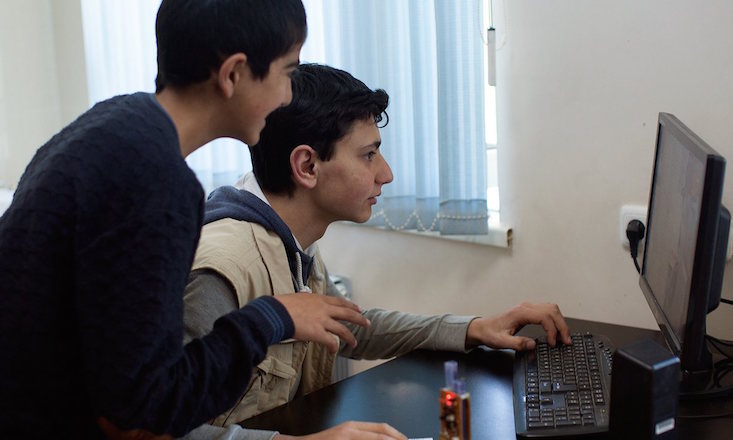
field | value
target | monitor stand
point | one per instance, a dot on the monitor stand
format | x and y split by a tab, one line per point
708	393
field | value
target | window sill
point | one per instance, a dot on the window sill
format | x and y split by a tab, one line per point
498	236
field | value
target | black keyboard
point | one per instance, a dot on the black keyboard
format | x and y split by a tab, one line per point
564	390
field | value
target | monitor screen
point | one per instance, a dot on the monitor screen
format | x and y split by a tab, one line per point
681	269
670	254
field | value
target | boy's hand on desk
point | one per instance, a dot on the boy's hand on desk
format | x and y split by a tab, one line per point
500	331
352	431
316	318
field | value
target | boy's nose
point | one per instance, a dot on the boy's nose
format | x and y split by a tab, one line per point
386	174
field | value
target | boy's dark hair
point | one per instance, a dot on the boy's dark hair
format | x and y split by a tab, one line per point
326	103
195	36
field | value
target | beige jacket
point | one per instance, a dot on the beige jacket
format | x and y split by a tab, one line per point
253	260
250	261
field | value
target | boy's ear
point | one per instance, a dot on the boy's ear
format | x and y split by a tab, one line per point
303	160
231	73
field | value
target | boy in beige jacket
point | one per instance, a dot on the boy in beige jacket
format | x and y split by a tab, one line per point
318	161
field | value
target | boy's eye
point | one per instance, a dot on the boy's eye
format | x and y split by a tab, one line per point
370	155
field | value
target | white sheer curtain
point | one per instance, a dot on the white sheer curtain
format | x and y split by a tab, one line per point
119	40
428	55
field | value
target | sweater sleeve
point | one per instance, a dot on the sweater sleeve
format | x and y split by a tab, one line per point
129	302
209	296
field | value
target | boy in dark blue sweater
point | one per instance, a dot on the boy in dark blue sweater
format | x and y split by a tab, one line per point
96	248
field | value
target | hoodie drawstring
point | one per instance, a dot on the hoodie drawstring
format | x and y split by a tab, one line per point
299	276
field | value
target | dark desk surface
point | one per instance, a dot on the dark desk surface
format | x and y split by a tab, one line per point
404	393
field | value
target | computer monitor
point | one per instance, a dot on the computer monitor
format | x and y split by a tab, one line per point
685	248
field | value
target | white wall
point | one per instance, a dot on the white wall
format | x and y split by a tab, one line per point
42	77
580	84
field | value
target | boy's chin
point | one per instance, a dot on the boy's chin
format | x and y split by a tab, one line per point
362	218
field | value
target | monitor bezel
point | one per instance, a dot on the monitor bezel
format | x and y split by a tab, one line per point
692	348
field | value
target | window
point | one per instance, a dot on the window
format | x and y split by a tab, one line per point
430	56
119	40
492	166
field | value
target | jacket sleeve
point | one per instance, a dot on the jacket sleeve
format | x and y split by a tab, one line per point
207	297
393	333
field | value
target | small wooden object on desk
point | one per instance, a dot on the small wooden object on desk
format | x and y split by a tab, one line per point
455	406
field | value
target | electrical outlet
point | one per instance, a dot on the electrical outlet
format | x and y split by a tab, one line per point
638	212
626	214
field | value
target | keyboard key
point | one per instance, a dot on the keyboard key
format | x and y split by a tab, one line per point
545	386
560	387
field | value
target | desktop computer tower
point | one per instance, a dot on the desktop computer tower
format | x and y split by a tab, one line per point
644	392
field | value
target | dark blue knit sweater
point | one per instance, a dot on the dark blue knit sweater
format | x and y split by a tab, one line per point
95	251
